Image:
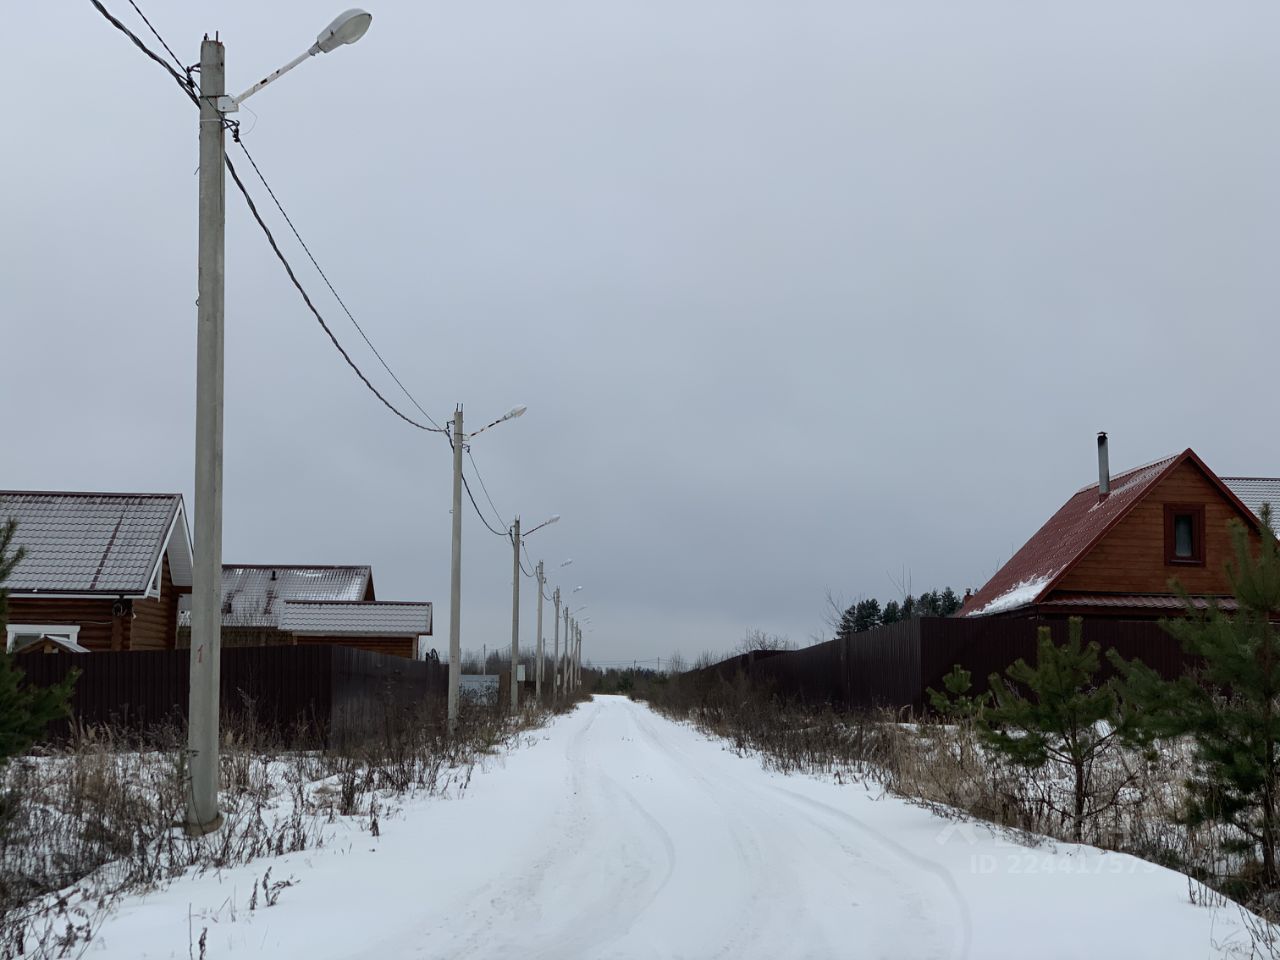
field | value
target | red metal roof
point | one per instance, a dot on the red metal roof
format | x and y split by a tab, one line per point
1072	532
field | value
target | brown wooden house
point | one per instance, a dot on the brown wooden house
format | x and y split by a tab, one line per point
101	571
289	604
1116	547
399	628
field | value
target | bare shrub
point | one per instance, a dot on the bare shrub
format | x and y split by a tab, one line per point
87	821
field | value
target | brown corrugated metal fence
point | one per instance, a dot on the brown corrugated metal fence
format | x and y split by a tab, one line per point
893	666
321	693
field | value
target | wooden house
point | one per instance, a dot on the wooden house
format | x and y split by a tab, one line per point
101	571
289	604
1116	547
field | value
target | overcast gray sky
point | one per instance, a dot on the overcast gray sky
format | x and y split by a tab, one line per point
800	295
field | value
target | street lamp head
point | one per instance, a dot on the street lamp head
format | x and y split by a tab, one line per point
575	589
509	415
567	562
347	27
544	523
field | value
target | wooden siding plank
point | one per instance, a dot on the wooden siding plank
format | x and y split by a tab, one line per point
1131	558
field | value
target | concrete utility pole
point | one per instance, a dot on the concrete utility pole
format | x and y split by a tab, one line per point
515	615
568	659
206	593
564	671
577	659
202	814
537	667
455	574
555	659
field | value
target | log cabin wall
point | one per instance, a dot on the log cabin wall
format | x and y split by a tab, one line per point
155	621
93	617
146	624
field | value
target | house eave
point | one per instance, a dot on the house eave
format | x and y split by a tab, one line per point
78	595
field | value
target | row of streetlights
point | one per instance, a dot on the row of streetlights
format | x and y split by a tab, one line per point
565	678
202	814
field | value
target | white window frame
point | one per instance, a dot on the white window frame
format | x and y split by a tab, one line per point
12	631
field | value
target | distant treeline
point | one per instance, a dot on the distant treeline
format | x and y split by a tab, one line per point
868	614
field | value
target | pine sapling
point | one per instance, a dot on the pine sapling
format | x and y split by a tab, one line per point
1064	715
1228	704
25	711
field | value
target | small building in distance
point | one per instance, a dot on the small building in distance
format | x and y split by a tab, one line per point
1115	547
400	628
100	571
287	604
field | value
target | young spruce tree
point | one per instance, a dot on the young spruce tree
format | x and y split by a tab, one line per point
954	703
1065	715
25	711
846	628
1228	704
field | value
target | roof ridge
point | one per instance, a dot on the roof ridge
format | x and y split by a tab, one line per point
88	493
298	566
1132	470
1067	536
365	603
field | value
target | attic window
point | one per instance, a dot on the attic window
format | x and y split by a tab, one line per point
1184	534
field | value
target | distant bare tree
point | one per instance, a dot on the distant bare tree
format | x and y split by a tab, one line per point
759	640
708	658
677	664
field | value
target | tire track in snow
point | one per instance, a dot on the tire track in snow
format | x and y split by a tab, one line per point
604	826
771	876
959	949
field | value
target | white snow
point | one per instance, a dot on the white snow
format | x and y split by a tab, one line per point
619	834
1016	596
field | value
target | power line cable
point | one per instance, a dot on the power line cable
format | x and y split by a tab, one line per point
476	469
483	519
471	496
511	538
155	33
182	81
325	278
284	261
188	87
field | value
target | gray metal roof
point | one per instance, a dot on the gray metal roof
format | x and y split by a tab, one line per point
1254	492
253	596
95	543
364	619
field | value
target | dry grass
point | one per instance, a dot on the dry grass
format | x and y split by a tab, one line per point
93	819
1135	804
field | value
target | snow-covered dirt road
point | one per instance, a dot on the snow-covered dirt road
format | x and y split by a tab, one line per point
619	834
